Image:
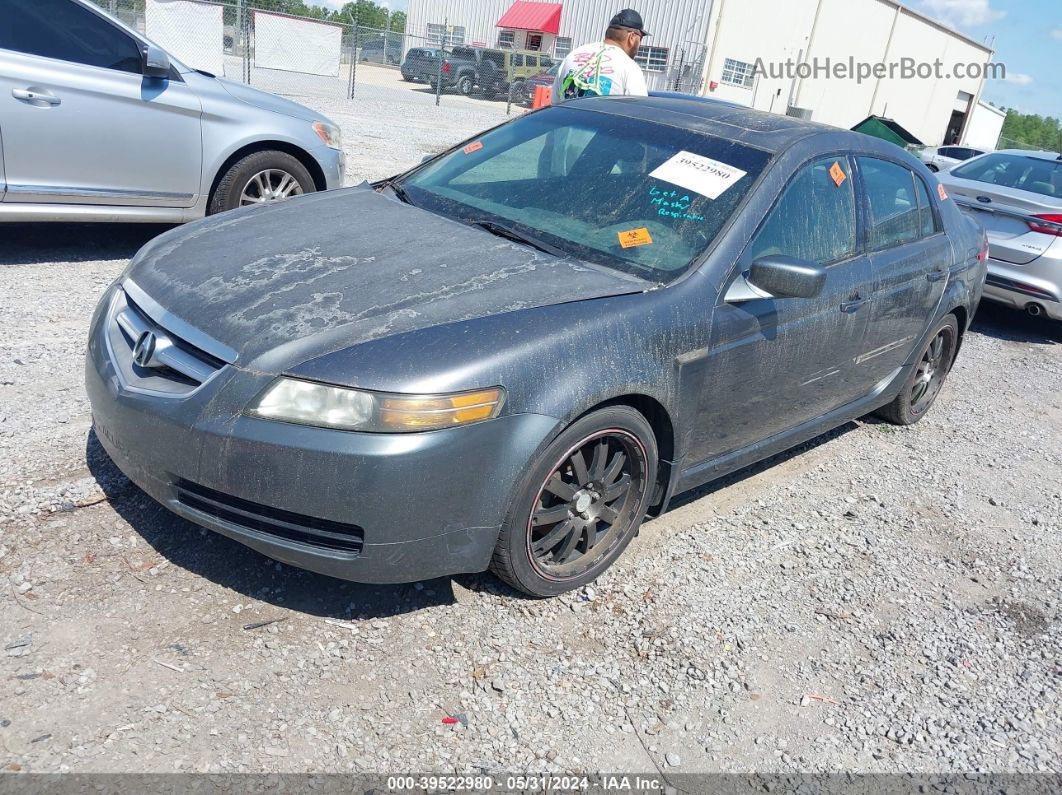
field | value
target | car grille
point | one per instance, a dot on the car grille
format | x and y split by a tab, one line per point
176	367
321	533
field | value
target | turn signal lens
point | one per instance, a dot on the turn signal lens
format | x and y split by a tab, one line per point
420	413
329	134
343	408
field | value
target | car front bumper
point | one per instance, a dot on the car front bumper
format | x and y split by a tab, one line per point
377	508
1018	286
333	163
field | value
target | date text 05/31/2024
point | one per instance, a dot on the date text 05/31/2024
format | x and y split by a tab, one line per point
526	783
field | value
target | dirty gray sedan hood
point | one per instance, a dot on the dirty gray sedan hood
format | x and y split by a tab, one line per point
283	283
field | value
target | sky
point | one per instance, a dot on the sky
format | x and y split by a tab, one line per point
1028	40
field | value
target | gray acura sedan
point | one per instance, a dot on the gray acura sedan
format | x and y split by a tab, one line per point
511	354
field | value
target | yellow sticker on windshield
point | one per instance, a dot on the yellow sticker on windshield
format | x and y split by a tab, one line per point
838	174
635	237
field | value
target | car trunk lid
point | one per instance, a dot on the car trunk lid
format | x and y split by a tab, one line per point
1005	214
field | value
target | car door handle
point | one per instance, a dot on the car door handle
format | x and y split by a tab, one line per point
936	276
35	96
848	307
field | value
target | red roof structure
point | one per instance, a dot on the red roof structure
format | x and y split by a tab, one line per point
539	17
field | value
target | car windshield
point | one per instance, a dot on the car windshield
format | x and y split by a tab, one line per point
1034	174
640	197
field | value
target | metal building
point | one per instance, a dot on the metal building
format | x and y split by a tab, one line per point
672	57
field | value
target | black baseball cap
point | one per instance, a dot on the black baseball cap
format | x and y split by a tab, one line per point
629	18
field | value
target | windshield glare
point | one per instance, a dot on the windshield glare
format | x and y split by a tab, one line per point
1034	174
583	182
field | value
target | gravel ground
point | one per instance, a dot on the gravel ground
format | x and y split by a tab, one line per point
879	600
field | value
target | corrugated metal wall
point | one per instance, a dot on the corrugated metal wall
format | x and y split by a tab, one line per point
681	26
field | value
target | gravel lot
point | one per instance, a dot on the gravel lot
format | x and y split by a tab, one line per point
881	599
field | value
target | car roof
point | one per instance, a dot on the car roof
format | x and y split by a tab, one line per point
767	131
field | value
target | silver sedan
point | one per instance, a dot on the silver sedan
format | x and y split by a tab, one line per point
1017	196
99	124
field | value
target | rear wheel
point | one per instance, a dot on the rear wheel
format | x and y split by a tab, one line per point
924	384
261	178
466	85
580	504
932	168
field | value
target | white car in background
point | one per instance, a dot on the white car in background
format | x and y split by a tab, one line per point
942	158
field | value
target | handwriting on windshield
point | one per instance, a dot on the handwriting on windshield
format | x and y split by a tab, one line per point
672	204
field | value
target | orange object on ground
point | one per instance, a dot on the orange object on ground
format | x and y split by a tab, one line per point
542	97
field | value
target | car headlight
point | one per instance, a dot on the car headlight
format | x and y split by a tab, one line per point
310	403
328	133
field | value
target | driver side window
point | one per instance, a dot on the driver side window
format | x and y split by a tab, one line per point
815	219
65	31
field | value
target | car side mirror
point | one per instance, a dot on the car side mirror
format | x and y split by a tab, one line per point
156	62
426	158
778	277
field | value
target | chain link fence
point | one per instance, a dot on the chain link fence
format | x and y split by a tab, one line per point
248	42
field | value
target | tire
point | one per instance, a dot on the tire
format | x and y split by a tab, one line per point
920	390
230	190
545	547
466	85
932	168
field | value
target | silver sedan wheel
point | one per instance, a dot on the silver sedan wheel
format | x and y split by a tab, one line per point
271	185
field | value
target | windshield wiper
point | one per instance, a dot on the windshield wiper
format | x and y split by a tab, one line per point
501	230
398	190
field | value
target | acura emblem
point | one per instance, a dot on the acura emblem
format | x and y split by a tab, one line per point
144	349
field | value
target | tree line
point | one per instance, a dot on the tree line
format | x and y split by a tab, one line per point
361	12
1031	131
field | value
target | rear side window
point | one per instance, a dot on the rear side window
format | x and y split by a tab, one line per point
894	216
64	30
927	217
815	220
1034	174
464	52
518	60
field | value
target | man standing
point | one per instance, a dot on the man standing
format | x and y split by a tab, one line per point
606	68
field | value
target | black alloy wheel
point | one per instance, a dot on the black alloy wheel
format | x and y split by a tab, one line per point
927	377
580	504
930	372
586	503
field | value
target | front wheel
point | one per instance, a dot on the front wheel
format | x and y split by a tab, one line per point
580	504
932	168
261	178
923	385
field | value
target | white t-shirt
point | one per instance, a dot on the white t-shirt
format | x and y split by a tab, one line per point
598	70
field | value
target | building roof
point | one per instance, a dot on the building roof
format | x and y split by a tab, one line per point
540	17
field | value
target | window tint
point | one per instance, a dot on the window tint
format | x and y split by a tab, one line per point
64	30
815	220
927	217
1034	174
894	218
